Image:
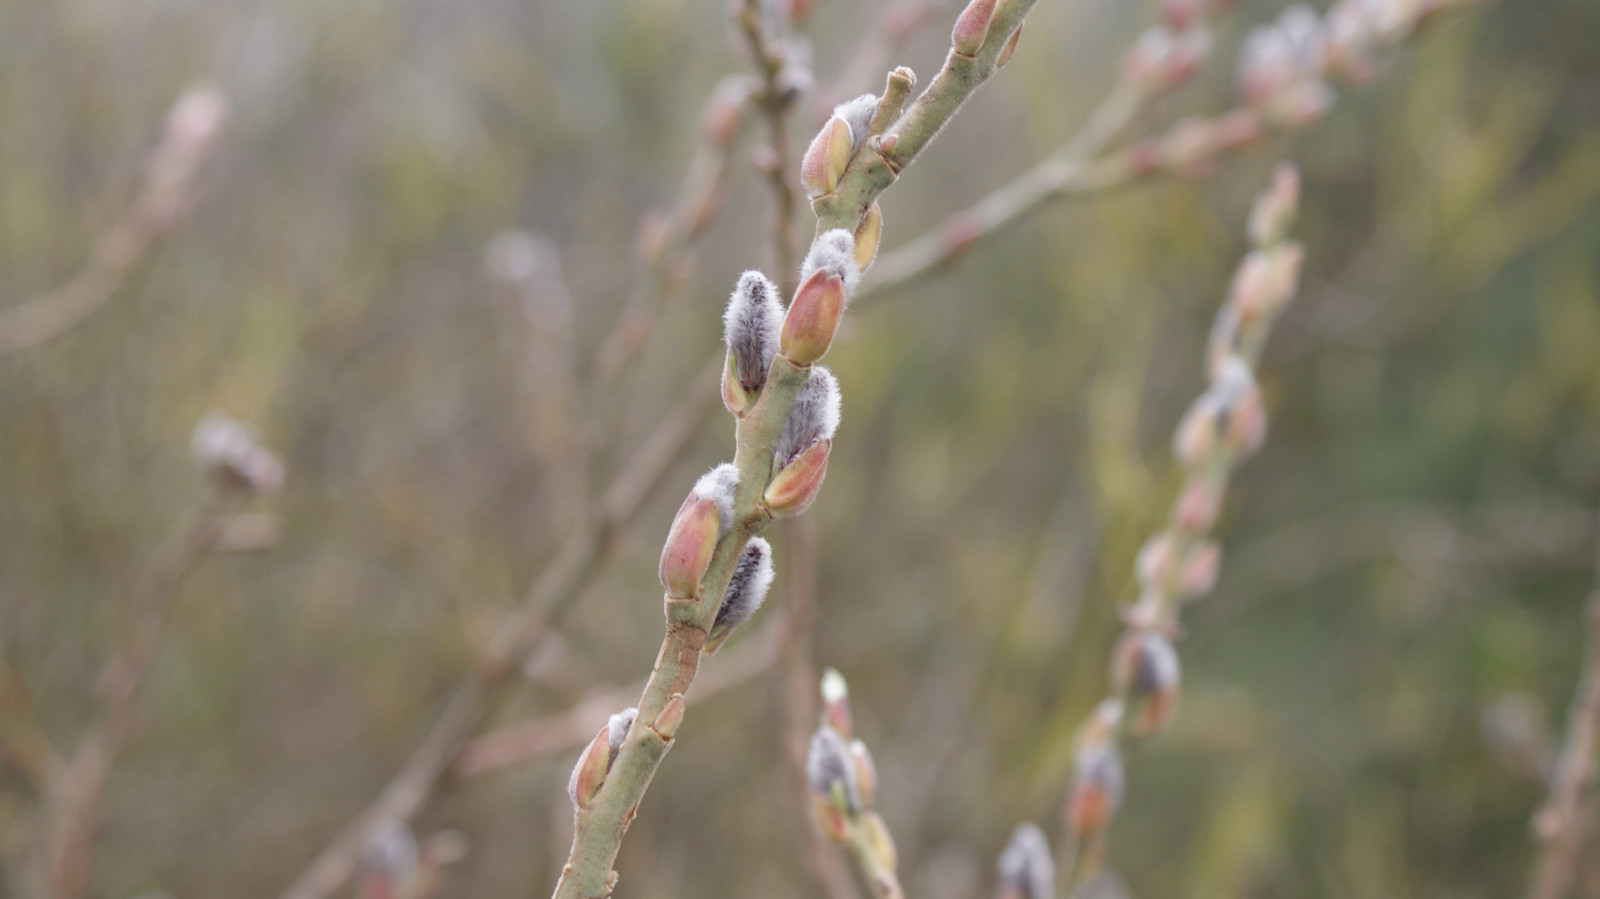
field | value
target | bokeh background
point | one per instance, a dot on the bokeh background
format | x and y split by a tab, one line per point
1412	545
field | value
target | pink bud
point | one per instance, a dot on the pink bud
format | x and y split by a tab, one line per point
795	487
1200	570
1247	422
1198	506
590	771
1189	51
826	158
1251	291
971	26
1155	562
689	546
719	122
1008	49
813	318
1180	14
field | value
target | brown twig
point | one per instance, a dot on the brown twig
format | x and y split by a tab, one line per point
519	743
775	100
165	198
797	675
1192	147
58	866
546	602
1560	825
895	25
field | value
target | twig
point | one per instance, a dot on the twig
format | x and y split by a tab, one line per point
164	200
894	26
666	241
519	743
1560	825
552	593
1222	427
58	868
1192	147
775	100
21	738
798	677
841	782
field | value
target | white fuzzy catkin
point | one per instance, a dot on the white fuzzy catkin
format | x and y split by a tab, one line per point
1026	864
747	588
857	114
751	327
718	485
828	762
617	731
815	416
834	251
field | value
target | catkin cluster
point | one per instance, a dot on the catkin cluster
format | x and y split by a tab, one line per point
789	451
1179	564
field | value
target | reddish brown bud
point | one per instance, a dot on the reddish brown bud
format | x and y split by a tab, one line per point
590	771
813	318
1008	49
826	158
868	234
971	26
689	545
1145	670
793	489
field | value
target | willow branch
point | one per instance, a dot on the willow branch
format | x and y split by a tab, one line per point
70	808
603	816
1193	147
164	201
775	100
524	742
1180	563
1560	825
547	600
